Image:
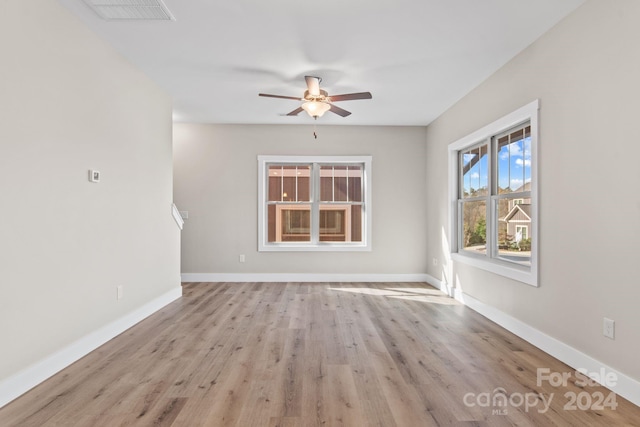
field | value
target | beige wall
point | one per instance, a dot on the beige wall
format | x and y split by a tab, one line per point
585	72
216	181
68	104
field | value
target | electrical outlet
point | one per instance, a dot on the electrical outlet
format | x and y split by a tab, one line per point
94	175
241	258
609	328
119	292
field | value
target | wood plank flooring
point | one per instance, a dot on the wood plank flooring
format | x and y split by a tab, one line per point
301	354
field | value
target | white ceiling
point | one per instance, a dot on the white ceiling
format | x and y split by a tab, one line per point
417	57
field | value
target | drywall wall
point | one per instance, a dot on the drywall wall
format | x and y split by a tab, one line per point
69	103
216	181
585	73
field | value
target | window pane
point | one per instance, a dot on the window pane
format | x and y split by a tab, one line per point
275	183
289	223
514	161
289	183
474	222
475	172
326	184
333	225
271	223
355	183
356	223
304	183
340	223
296	225
514	230
341	183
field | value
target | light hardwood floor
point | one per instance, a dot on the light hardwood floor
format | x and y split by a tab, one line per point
297	354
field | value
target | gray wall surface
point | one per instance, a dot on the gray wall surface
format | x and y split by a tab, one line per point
69	103
585	73
216	181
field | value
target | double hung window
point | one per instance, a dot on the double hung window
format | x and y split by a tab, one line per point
494	198
314	203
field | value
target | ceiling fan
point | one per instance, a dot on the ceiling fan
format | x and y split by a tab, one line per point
318	101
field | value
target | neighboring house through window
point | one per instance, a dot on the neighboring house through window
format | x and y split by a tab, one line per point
314	203
493	187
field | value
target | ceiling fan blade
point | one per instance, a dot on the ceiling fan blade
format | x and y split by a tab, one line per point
280	96
313	85
339	111
350	96
295	112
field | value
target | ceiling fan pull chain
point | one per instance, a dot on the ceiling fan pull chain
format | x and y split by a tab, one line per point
315	135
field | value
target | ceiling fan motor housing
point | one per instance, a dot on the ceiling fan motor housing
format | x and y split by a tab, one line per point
322	97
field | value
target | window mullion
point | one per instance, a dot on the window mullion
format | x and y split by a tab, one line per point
282	183
315	203
347	183
460	221
492	207
488	206
333	183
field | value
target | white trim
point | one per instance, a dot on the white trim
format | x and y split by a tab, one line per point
176	216
439	284
626	386
303	277
23	381
496	266
528	276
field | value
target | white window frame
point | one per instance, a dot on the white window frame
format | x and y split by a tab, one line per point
490	262
265	246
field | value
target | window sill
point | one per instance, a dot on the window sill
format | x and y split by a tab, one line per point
293	247
511	271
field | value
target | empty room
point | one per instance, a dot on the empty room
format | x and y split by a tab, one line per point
414	213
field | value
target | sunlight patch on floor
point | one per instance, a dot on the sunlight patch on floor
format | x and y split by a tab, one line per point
431	296
443	300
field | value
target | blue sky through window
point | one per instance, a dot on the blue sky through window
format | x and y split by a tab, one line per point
514	165
513	170
476	171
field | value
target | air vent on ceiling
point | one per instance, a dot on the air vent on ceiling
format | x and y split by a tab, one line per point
116	10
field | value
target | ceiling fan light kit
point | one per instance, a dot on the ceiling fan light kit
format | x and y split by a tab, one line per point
316	108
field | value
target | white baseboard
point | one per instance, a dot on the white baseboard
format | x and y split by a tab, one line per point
301	277
21	382
436	283
625	386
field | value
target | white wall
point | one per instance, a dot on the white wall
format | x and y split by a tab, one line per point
585	72
69	103
216	181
